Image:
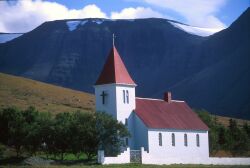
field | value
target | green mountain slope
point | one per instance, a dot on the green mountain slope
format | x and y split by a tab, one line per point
22	93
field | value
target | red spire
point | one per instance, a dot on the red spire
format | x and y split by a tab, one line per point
114	70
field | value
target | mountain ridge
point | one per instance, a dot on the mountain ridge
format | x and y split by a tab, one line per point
158	57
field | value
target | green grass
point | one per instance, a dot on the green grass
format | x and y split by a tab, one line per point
140	166
67	157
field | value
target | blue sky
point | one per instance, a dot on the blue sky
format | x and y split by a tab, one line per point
25	15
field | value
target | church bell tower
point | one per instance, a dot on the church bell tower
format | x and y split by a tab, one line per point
115	89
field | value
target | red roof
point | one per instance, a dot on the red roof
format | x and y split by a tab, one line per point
114	70
174	115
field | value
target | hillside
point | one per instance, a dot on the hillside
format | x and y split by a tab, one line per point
22	93
225	121
209	73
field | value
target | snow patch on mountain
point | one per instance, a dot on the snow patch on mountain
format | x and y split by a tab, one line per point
4	37
195	30
83	22
72	25
99	21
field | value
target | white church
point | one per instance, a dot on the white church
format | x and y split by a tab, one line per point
161	130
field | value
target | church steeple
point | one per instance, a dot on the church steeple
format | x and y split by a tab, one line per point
115	89
114	70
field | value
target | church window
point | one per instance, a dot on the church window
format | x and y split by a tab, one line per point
198	140
124	98
160	139
126	121
127	96
185	140
173	139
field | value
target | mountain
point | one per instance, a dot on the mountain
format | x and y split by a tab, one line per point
22	93
224	86
208	72
57	53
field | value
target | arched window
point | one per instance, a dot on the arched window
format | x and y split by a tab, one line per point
127	96
160	139
198	140
185	140
173	139
124	97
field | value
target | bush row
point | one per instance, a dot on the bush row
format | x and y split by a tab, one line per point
68	132
234	138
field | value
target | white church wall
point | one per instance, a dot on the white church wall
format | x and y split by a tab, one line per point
181	151
140	134
122	158
228	161
115	104
114	100
124	109
148	158
110	105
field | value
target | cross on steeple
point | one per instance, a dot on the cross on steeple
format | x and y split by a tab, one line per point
103	95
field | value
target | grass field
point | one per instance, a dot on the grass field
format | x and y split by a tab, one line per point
22	93
137	166
225	121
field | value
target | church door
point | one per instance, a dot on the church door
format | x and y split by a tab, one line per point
135	156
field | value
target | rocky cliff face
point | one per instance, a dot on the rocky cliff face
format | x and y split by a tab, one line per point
159	56
223	87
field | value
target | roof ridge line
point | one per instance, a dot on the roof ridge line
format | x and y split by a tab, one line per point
149	98
113	48
145	98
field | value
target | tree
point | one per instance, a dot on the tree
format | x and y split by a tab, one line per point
246	130
2	149
214	127
6	116
78	132
85	139
221	136
237	139
32	140
16	130
62	133
110	133
47	133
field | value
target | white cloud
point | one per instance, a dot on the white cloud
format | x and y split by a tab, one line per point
200	13
133	13
26	15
